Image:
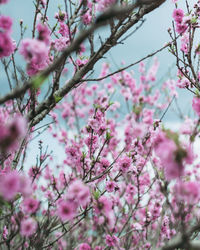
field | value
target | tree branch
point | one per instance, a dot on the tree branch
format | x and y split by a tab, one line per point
46	106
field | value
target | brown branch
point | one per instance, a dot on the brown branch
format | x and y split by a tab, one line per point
183	241
44	108
17	92
101	21
129	66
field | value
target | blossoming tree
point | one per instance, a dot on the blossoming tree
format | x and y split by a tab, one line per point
125	182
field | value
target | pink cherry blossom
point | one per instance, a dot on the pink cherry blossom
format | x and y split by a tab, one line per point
5	24
196	104
6	45
124	163
103	4
63	30
61	43
9	185
43	33
84	246
61	16
25	187
35	52
79	193
181	28
110	186
87	18
188	191
5	233
30	205
105	171
103	205
178	15
171	158
12	132
111	241
66	210
28	227
3	1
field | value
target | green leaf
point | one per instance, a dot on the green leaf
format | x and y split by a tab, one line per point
38	81
193	20
4	203
173	136
57	98
197	93
110	103
180	154
108	136
137	109
96	106
161	174
96	194
192	138
84	154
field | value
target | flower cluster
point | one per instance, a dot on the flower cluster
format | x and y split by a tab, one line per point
116	177
77	195
181	24
11	131
7	45
35	51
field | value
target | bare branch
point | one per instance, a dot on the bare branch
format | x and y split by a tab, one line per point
129	66
47	105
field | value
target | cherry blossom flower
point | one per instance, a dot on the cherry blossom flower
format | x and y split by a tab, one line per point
25	187
87	18
43	33
188	191
61	16
35	52
63	30
5	24
196	104
5	233
79	193
28	227
30	205
6	45
61	43
178	15
84	246
172	158
111	241
110	186
104	205
3	1
9	185
104	4
66	210
124	163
